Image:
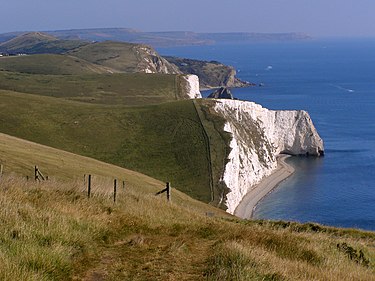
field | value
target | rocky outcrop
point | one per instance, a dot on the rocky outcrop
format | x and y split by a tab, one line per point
258	136
190	87
212	74
221	93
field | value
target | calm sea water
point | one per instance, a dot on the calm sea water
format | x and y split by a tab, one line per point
334	80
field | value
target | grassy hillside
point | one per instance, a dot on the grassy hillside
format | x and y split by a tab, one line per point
110	56
39	43
117	55
121	88
19	157
51	231
165	141
125	57
50	64
169	141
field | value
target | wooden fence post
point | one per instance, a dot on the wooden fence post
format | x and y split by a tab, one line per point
114	190
1	170
89	187
36	173
123	185
167	189
168	192
41	175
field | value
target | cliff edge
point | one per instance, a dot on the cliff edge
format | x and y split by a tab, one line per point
257	136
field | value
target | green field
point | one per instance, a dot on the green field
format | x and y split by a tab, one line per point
50	64
165	141
121	88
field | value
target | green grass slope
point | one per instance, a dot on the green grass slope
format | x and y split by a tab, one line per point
19	157
50	64
165	141
180	141
117	55
125	57
121	88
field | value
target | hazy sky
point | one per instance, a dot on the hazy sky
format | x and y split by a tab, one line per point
315	17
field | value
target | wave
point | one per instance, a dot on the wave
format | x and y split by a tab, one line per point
343	89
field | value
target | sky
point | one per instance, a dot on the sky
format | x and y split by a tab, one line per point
319	18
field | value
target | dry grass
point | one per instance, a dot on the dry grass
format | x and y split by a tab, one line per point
19	156
51	231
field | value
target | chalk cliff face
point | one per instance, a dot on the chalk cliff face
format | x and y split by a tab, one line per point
151	62
190	87
258	136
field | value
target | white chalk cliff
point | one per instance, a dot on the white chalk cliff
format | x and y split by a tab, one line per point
258	136
190	86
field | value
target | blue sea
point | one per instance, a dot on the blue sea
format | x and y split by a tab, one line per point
334	80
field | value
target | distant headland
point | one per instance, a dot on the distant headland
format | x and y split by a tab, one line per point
165	39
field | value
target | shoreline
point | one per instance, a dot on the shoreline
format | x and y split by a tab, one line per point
248	203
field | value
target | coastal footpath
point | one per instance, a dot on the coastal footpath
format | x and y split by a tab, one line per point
257	136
